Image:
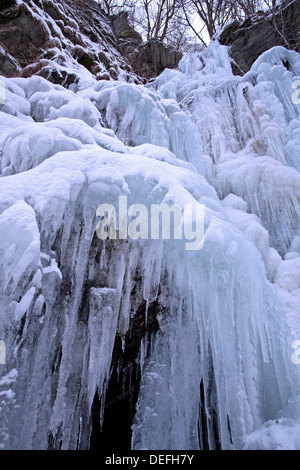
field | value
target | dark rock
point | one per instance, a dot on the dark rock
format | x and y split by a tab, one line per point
257	34
227	32
123	30
21	34
7	3
61	77
27	40
124	383
8	65
153	57
30	44
147	59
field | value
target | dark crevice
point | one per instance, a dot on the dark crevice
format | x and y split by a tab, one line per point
229	429
216	430
95	415
124	384
208	421
57	359
55	440
202	422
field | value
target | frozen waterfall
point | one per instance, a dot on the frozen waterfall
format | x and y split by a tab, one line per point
201	347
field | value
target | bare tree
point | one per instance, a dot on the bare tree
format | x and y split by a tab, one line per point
188	15
155	17
212	13
180	36
278	20
176	21
244	8
113	7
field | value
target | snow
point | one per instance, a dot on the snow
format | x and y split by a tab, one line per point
20	246
6	400
228	312
278	434
22	147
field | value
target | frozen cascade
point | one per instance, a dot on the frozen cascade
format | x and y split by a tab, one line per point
197	343
250	129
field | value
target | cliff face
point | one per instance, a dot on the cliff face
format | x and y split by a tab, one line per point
56	39
248	40
147	59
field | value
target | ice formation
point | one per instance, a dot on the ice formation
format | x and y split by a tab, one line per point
216	371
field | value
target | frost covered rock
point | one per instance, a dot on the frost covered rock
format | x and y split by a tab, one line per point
61	41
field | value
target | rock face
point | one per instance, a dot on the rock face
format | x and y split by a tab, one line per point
260	32
51	38
126	35
147	59
154	57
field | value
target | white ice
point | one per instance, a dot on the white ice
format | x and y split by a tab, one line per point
220	369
